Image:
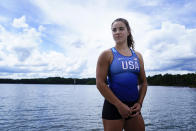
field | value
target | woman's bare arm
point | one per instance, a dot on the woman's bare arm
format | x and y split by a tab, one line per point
142	80
142	87
101	75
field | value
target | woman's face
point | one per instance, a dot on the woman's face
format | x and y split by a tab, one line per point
119	32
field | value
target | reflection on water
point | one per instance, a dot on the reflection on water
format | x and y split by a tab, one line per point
171	108
68	107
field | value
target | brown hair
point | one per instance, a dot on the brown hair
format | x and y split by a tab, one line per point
130	41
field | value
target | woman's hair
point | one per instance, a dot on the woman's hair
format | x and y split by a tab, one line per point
130	41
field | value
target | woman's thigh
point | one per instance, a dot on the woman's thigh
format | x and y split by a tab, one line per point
135	124
113	125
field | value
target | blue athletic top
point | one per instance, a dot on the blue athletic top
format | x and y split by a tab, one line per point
123	76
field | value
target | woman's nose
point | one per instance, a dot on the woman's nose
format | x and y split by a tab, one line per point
117	31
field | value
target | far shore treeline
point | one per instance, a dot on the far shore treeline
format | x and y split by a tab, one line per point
157	80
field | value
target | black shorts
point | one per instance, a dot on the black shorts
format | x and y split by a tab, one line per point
110	112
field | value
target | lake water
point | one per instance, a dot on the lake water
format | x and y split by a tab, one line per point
30	107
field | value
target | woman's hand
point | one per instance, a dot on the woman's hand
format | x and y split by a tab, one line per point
136	108
124	110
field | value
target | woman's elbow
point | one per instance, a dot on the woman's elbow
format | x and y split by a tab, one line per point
144	83
99	84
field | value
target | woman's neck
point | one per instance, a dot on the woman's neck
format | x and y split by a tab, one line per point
122	46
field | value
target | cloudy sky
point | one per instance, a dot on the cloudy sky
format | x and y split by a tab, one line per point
63	38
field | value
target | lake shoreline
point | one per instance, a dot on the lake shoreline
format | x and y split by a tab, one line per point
187	80
95	84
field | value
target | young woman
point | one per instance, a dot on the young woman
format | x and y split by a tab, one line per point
124	68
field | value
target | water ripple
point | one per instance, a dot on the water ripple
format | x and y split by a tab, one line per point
68	108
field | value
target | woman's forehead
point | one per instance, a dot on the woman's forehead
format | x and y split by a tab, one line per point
118	24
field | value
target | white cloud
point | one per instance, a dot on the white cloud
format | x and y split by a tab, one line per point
3	19
167	45
88	26
84	32
20	54
20	22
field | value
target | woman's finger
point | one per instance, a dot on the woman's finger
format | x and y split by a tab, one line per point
135	114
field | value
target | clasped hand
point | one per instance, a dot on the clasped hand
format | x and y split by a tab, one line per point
127	112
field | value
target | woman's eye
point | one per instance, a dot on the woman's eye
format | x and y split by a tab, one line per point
114	29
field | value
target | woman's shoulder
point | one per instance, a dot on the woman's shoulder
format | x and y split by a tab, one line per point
106	54
139	55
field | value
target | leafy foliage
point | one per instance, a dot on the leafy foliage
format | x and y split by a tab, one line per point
162	80
173	80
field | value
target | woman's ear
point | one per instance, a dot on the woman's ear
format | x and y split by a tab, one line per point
129	33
